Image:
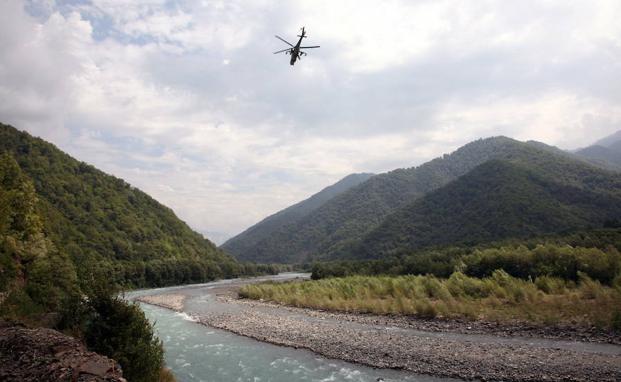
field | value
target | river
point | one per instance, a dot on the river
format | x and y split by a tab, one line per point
196	352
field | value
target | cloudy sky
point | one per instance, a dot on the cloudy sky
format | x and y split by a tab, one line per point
185	100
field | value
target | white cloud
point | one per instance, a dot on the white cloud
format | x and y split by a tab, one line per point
186	101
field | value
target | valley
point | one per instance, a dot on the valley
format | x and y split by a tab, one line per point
499	261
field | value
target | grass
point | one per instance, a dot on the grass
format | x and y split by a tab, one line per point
499	297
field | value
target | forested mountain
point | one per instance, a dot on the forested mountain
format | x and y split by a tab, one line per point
609	140
609	156
334	227
39	286
242	245
501	199
103	223
34	275
605	152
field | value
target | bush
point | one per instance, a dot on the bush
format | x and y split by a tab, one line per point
121	331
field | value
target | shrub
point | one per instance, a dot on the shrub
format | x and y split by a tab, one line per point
121	331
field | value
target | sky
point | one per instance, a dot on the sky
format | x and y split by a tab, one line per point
185	100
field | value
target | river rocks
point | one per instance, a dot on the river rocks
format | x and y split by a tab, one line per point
449	348
41	355
419	353
169	301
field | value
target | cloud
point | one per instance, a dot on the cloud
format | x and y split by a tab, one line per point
185	99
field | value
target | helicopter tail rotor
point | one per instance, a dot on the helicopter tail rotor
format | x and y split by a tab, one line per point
303	35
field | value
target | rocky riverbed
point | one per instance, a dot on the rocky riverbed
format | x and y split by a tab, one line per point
461	349
168	301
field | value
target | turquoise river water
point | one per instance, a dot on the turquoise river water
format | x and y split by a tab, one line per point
196	352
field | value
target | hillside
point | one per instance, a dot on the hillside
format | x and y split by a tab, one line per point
241	245
605	155
501	199
332	228
605	152
103	223
609	140
35	276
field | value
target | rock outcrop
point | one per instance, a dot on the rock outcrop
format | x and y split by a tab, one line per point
47	355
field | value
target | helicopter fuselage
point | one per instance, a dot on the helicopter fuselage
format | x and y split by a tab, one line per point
295	51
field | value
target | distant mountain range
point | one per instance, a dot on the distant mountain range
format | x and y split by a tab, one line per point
606	151
286	219
487	190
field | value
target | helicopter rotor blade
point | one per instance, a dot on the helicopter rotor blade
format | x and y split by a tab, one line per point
283	40
284	50
309	47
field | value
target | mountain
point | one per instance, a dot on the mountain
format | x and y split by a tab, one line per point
605	152
103	223
241	246
334	227
610	156
501	199
609	140
34	275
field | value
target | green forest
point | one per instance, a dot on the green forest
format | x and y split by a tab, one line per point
242	245
72	238
500	200
39	286
593	252
394	211
101	222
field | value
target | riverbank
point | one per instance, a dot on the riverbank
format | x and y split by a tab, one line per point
168	301
466	350
544	302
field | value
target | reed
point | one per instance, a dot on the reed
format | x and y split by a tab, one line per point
499	297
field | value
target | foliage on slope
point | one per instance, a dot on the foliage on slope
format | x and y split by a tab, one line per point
331	230
35	277
499	200
39	286
608	156
101	221
241	246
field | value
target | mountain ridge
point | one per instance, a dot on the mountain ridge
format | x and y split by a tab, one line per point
104	223
242	242
348	217
497	200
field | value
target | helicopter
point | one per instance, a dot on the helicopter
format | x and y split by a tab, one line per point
296	50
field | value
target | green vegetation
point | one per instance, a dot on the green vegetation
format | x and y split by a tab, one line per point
499	297
35	277
558	191
567	263
120	330
242	245
442	262
570	279
500	200
605	152
39	286
102	222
